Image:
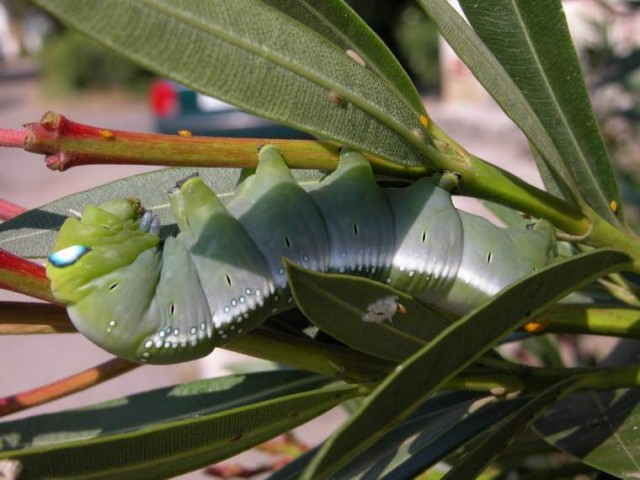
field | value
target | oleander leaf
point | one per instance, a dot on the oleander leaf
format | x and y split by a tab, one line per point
340	306
169	431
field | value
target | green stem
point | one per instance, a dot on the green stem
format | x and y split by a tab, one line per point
598	378
609	378
595	378
486	181
496	384
603	234
307	354
611	320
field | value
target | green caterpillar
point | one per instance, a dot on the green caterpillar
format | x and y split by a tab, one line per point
171	300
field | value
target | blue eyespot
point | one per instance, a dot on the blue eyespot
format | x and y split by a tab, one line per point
68	256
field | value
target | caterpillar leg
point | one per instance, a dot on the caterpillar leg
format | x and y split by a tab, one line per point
150	223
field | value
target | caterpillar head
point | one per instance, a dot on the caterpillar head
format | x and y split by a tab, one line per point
105	238
98	265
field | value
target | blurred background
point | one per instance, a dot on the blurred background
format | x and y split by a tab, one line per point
46	66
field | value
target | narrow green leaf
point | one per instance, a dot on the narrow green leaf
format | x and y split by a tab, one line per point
600	428
496	80
453	350
436	415
32	234
427	450
532	42
505	431
339	24
340	305
169	431
259	58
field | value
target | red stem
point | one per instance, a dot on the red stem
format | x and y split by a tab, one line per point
67	144
10	137
9	210
66	386
22	276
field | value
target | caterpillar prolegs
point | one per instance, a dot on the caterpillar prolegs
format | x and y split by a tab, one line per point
171	300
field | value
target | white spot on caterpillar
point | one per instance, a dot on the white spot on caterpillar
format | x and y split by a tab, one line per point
248	291
281	271
148	344
381	310
355	57
193	330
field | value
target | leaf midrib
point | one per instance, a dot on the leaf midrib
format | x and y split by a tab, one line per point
547	85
